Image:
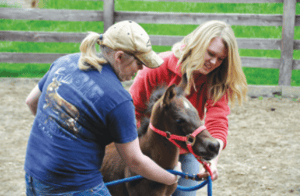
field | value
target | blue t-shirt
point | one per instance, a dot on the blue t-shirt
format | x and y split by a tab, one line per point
79	113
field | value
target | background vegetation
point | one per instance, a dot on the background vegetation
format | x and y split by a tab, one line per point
257	76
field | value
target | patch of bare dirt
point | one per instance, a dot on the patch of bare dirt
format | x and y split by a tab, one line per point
262	156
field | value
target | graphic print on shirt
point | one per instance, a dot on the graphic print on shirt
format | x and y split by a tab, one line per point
67	112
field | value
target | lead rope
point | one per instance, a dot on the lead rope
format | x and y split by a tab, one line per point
205	164
171	138
194	177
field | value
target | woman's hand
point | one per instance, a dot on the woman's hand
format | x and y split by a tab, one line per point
213	166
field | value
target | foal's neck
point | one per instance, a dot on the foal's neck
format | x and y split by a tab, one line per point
159	149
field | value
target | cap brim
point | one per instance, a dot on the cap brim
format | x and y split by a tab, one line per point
150	59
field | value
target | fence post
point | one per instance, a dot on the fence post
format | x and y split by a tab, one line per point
287	42
108	13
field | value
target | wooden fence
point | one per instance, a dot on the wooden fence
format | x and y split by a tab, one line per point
287	44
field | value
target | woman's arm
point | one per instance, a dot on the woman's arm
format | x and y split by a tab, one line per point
143	165
216	122
33	99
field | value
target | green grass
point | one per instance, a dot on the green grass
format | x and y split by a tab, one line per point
270	76
23	70
257	76
73	4
295	78
9	6
50	26
253	8
37	47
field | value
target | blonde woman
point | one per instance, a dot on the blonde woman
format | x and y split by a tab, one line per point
80	106
209	57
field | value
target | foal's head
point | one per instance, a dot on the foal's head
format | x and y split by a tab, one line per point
172	112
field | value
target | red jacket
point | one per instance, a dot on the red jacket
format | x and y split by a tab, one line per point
168	73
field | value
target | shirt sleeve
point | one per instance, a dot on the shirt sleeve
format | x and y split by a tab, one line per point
42	81
121	123
216	120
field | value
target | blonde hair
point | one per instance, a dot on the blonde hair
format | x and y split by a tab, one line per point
89	58
228	77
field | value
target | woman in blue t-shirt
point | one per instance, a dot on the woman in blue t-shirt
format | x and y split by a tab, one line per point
80	107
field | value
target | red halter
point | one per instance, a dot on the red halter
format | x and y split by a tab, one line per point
189	140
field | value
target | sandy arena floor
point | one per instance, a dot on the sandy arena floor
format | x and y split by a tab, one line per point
262	156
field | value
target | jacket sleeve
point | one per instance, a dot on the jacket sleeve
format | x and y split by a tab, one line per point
216	120
144	83
140	92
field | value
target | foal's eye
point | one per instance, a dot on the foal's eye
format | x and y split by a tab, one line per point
180	121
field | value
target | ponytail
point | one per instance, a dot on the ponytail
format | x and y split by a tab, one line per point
88	58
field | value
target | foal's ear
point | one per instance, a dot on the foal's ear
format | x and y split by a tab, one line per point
169	95
183	82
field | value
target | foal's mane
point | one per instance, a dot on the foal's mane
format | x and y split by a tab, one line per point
156	94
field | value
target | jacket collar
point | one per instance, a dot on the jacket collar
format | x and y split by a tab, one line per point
173	65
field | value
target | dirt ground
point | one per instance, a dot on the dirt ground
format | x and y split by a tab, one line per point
262	156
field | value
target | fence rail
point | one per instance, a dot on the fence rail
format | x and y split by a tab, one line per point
288	20
51	14
144	17
161	40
